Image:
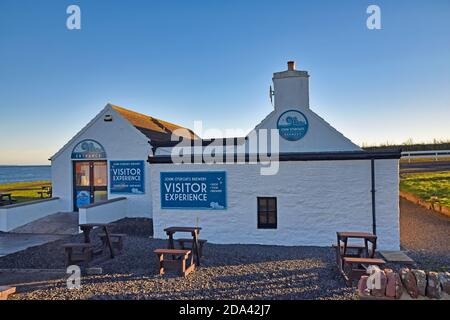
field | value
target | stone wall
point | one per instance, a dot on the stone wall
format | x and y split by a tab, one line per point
405	284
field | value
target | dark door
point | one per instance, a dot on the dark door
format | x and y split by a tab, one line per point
90	182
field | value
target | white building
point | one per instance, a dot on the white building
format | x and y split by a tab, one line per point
83	170
120	165
325	183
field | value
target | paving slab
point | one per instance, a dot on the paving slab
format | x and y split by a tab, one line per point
58	223
14	242
396	257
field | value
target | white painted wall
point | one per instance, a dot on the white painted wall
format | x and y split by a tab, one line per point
291	88
387	202
315	199
121	141
14	216
104	213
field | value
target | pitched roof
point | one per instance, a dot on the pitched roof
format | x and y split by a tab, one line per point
155	129
158	131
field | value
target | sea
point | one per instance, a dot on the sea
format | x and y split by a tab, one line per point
9	174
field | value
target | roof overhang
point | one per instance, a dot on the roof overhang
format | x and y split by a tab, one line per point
307	156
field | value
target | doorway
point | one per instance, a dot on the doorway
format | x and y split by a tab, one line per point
90	182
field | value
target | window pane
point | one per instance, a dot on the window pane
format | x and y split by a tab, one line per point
262	204
267	213
100	196
82	173
272	218
262	218
100	178
272	204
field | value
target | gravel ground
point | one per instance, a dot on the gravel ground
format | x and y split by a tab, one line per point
228	271
425	235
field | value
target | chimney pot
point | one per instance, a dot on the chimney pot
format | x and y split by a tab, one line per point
291	65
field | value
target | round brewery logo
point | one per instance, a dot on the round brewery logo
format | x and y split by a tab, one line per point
88	149
292	125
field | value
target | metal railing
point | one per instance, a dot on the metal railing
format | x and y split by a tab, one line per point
432	154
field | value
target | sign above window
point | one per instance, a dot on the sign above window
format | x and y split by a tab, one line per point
127	177
88	149
292	125
193	190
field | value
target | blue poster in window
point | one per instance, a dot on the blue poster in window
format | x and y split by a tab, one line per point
194	190
127	177
83	198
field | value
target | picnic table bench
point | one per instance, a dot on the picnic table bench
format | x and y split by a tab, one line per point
86	252
46	192
352	250
183	242
116	240
175	259
194	231
6	198
353	259
78	253
354	268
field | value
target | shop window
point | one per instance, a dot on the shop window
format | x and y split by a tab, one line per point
267	213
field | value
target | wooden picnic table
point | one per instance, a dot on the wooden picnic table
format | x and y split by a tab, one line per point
343	237
6	195
194	231
6	198
87	228
46	192
355	263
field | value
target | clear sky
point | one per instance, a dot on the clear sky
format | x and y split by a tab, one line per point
213	61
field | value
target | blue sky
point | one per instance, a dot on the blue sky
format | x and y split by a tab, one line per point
213	61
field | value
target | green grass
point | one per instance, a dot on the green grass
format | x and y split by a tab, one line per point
430	159
432	187
24	191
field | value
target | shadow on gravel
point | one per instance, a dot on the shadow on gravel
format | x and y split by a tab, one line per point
292	285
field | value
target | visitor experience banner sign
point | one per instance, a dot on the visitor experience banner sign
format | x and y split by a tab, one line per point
195	190
127	177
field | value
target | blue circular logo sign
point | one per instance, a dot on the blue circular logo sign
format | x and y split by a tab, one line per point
292	125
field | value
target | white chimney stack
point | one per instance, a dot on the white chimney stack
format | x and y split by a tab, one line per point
291	88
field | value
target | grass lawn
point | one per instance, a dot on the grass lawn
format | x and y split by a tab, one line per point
433	186
24	191
430	159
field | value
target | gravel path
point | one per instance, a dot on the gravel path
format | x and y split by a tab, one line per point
425	234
